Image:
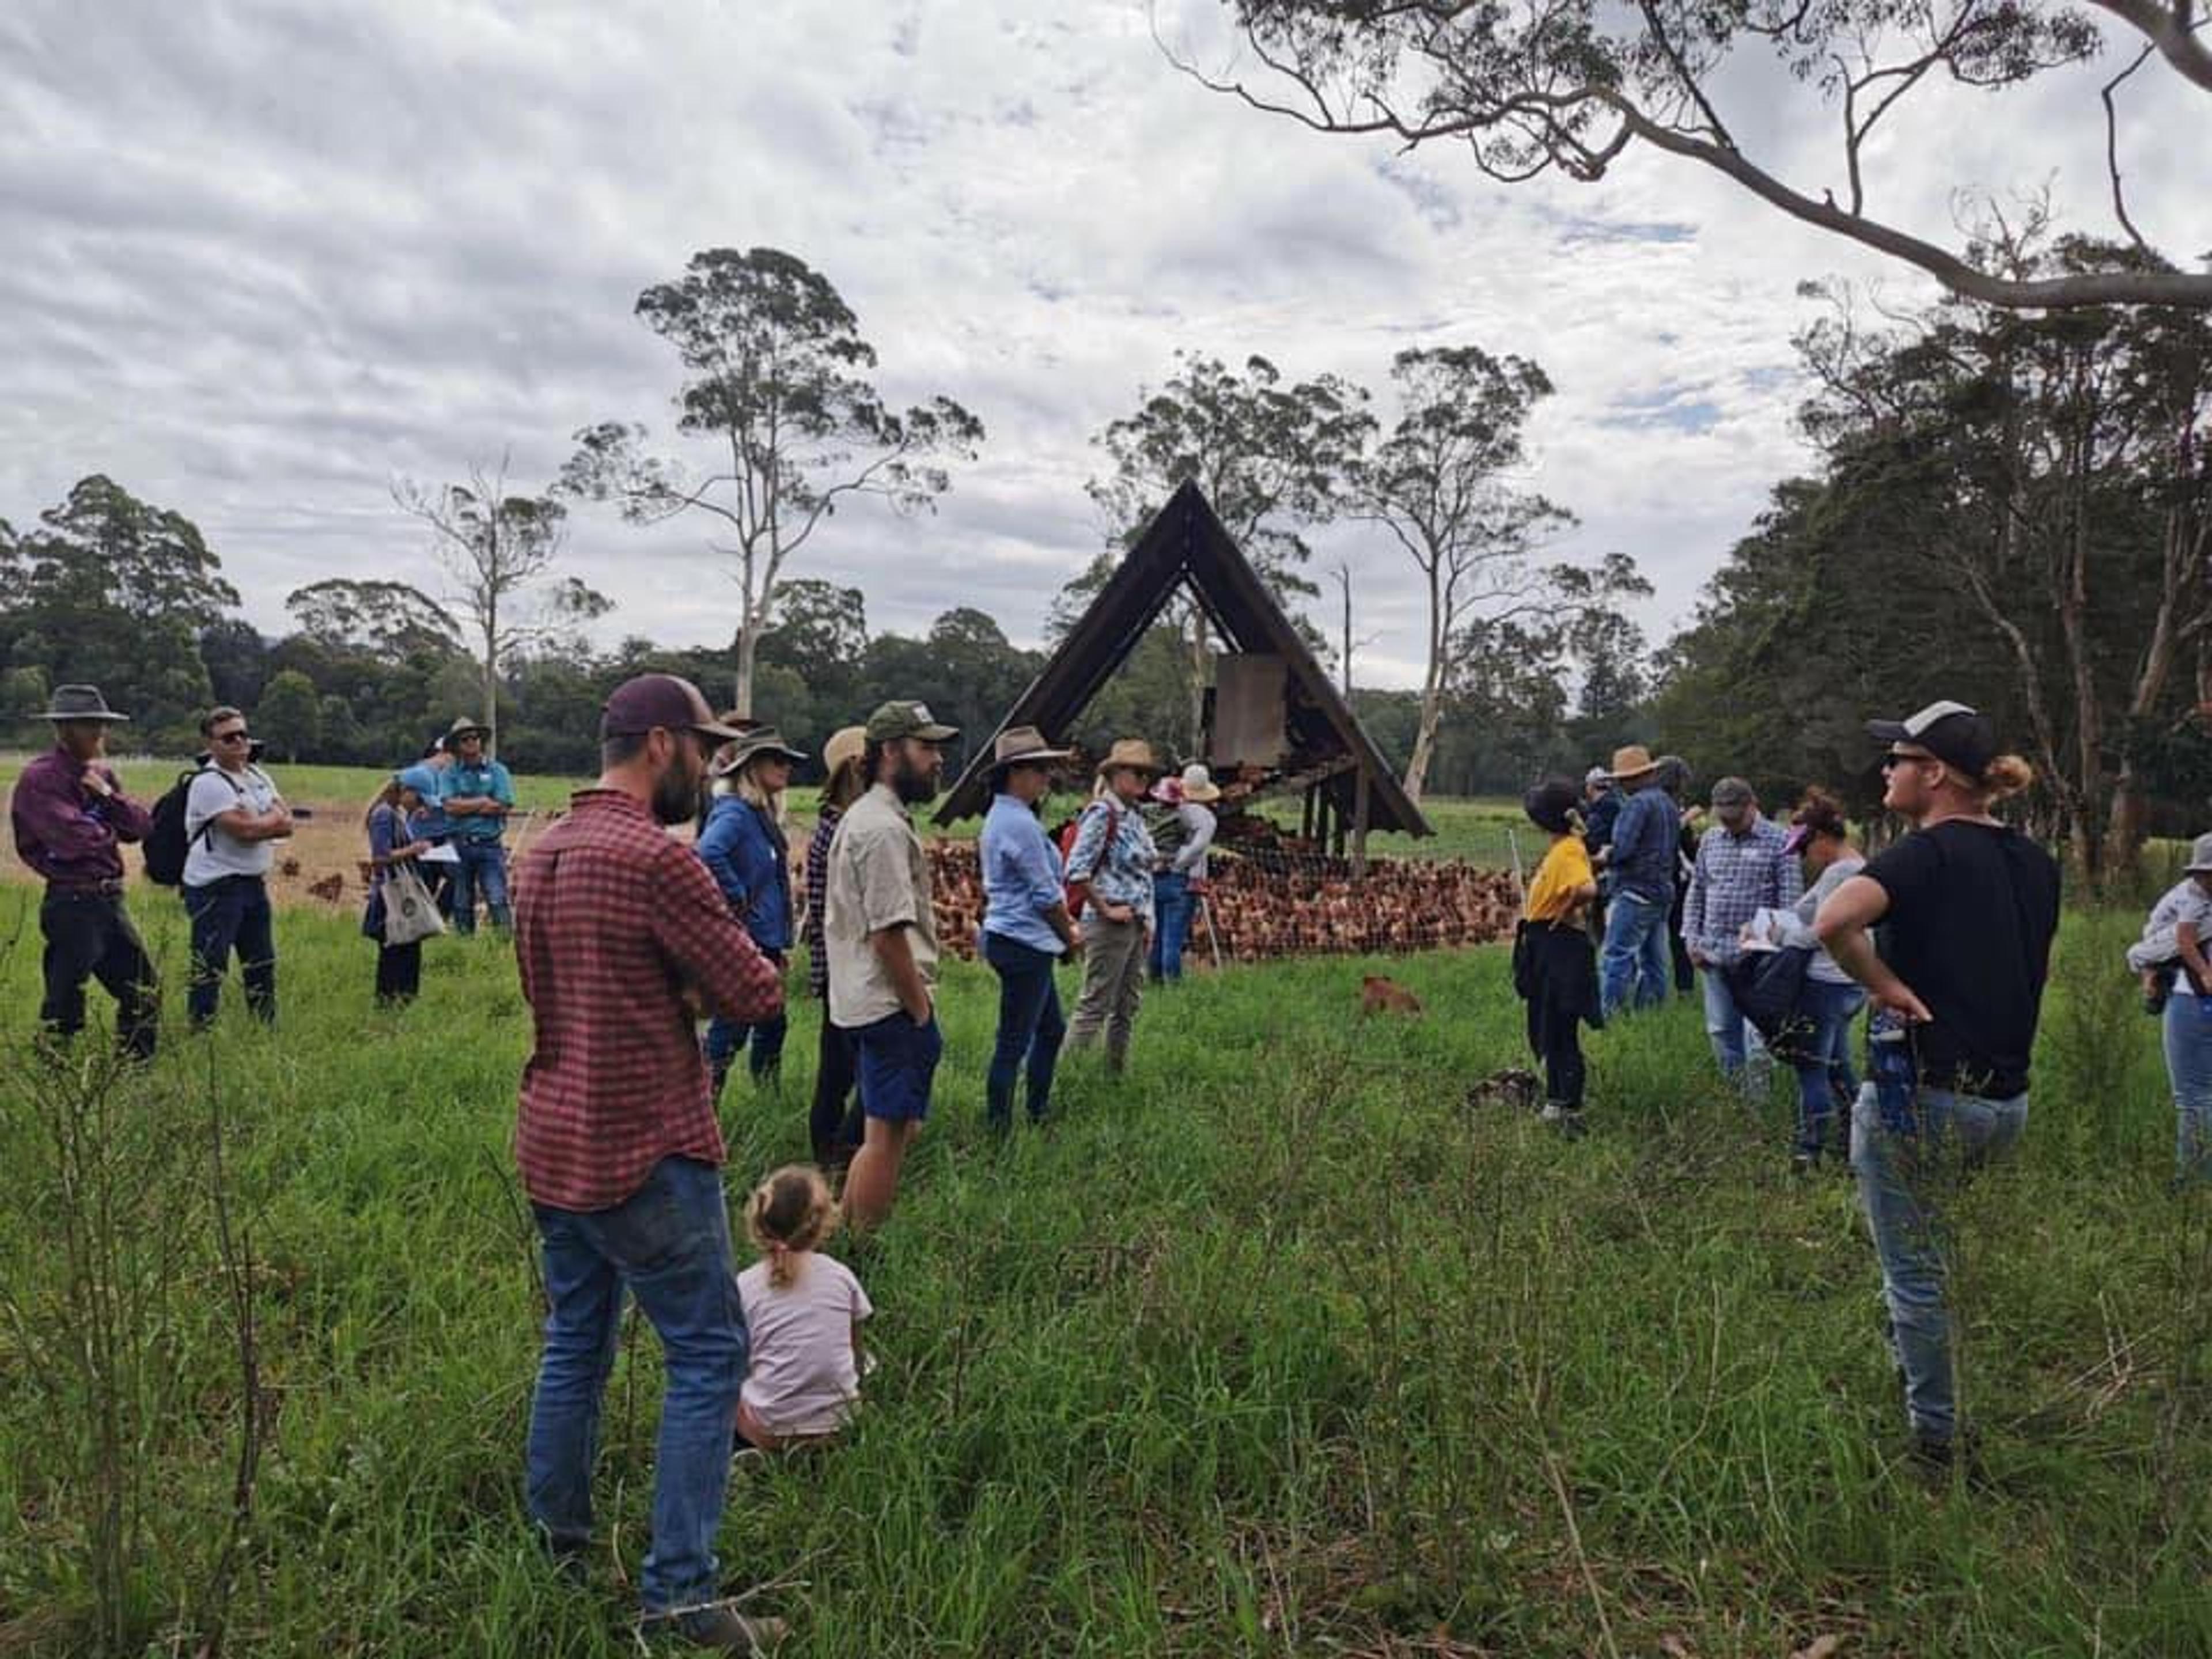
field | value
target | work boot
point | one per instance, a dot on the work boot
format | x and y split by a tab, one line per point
719	1627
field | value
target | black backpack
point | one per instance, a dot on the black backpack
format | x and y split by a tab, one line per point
167	843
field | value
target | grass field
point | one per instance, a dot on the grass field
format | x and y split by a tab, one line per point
1279	1347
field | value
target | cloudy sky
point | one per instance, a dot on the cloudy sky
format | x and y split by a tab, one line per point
261	258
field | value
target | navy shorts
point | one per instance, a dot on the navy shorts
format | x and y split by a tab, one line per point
897	1060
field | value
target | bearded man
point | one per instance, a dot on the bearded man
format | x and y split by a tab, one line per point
880	930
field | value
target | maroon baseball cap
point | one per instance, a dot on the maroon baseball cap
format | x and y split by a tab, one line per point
667	700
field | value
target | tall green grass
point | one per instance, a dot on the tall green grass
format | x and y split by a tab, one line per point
1279	1346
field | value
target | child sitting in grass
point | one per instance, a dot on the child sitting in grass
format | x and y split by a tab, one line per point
803	1314
1554	963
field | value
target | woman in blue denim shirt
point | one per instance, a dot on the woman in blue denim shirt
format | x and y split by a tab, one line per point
742	844
1026	928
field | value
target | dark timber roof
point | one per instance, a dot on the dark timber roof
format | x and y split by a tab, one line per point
1185	544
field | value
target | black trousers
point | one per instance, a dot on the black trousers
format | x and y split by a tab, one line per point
398	971
834	1123
1555	1038
89	935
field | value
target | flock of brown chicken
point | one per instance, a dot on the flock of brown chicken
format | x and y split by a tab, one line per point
1282	902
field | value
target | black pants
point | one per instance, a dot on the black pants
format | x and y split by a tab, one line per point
231	913
398	972
89	935
833	1124
1555	1038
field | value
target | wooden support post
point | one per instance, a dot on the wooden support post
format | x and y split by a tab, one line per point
1306	813
1359	825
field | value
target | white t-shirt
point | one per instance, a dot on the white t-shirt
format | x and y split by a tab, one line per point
802	1379
219	854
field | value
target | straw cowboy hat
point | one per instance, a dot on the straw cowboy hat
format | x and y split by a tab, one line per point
1198	784
1025	745
1133	754
1634	761
761	740
79	702
847	746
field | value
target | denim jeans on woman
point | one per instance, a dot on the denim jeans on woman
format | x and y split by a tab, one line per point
1825	1082
1171	909
2188	1023
1634	961
668	1245
1903	1179
1031	1028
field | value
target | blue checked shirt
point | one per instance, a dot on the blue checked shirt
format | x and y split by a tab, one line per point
1120	873
1735	876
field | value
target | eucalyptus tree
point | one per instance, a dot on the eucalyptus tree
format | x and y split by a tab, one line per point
778	394
1570	87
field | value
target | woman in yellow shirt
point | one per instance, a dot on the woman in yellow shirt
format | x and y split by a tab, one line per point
1554	964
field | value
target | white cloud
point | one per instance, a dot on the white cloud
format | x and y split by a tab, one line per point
263	256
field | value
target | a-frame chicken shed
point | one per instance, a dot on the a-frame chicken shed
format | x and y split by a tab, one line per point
1276	722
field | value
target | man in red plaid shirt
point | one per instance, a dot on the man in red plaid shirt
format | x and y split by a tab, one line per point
623	937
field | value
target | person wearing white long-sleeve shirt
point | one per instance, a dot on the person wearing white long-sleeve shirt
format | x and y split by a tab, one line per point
1180	879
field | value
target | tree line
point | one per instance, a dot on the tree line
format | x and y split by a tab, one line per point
2011	507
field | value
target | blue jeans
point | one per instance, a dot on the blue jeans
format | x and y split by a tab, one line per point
482	868
1171	907
1736	1044
1825	1078
231	913
763	1042
2188	1024
1635	955
1030	1028
667	1244
1902	1179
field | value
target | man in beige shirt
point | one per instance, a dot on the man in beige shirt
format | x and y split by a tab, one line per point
880	932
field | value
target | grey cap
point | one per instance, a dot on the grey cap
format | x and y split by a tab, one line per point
1596	778
2200	857
1733	792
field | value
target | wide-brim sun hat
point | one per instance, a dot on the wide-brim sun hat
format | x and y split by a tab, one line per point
462	727
2200	857
1633	761
1130	755
79	703
1025	745
847	746
761	740
1198	785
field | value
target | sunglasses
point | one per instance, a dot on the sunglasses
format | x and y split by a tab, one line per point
1892	760
238	735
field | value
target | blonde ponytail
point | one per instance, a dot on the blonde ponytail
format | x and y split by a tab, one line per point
2007	775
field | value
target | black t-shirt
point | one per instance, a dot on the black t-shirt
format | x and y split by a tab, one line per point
1973	908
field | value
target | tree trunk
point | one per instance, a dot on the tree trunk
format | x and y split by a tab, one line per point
1432	688
490	715
748	635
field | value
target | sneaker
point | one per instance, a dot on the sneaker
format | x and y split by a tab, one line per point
718	1626
1566	1119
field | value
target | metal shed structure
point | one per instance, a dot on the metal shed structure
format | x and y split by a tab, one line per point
1275	712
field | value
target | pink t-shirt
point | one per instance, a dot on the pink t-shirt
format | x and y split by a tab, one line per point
802	1379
